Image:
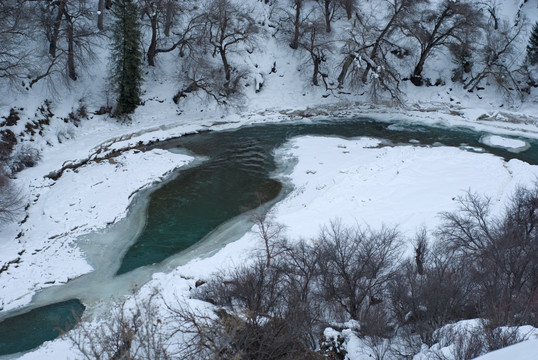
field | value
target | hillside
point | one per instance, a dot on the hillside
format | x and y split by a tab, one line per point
74	164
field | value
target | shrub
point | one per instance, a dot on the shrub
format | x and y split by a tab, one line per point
7	141
355	267
24	156
502	253
10	199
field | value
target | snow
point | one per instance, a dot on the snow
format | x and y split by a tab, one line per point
79	202
513	145
356	181
361	181
525	350
446	345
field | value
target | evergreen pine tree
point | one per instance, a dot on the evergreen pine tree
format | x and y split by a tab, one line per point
532	48
126	55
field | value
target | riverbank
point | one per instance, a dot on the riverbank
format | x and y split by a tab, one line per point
99	193
44	253
354	180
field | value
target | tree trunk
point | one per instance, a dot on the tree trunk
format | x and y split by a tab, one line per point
227	69
373	54
348	6
71	51
416	78
317	61
169	16
153	43
295	42
101	15
56	28
345	68
328	16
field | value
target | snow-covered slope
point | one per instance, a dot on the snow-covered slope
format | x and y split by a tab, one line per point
342	181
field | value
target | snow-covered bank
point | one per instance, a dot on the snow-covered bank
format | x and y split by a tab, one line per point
525	350
361	181
358	181
80	202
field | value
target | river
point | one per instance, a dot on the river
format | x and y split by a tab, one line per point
236	173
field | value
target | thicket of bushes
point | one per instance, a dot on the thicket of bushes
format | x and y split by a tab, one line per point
475	265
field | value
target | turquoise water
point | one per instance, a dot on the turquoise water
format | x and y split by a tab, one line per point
235	178
29	330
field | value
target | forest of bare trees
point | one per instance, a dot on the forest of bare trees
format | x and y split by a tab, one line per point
56	40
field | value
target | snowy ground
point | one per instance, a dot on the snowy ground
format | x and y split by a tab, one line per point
77	203
522	351
356	181
346	179
352	180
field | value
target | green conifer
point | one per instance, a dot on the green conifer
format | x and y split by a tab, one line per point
532	48
126	55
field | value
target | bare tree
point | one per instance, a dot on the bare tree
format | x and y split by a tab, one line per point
441	294
202	77
302	306
152	10
128	333
161	15
355	267
169	16
294	21
317	45
222	28
498	58
227	27
272	235
67	26
421	249
101	15
204	338
503	252
491	8
258	316
463	57
300	265
270	309
369	46
230	335
255	287
329	9
349	6
436	28
15	21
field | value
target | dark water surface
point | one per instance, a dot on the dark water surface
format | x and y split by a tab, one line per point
234	179
29	330
237	177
